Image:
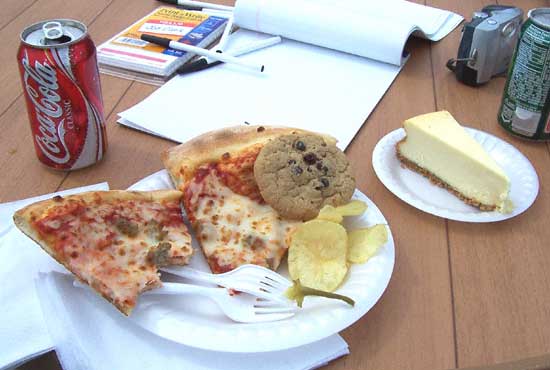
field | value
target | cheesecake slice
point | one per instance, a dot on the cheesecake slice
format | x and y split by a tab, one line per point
437	147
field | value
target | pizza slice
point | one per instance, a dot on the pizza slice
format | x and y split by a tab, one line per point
112	240
232	222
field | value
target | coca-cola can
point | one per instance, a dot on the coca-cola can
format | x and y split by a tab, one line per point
58	65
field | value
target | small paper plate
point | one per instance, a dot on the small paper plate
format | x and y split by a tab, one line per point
419	192
197	322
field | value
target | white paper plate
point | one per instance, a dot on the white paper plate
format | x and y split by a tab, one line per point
197	322
419	192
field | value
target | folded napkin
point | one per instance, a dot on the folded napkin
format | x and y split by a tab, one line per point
23	334
90	334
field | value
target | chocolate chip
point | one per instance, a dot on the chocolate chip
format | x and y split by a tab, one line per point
310	158
319	166
260	129
300	145
325	169
324	182
291	161
317	188
226	155
297	170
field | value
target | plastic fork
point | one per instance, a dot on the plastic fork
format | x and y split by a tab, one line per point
252	279
240	307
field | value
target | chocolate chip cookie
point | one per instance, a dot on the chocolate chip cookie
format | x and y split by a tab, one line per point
298	174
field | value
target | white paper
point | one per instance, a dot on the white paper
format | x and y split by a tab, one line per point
429	23
23	334
371	29
347	55
304	86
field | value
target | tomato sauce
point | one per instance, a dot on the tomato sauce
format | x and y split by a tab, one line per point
61	218
237	173
172	215
215	266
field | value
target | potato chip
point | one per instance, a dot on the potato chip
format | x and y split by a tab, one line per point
330	213
353	208
336	214
318	253
364	243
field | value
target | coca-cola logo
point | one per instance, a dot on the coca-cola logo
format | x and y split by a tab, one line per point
41	87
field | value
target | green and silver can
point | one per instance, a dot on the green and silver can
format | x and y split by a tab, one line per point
525	106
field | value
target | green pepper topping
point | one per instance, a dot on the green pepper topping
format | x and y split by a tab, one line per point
297	292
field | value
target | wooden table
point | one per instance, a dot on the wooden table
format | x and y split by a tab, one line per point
461	294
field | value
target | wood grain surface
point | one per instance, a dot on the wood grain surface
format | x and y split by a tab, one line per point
461	295
500	271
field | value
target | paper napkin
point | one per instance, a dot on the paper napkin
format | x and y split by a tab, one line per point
23	334
90	334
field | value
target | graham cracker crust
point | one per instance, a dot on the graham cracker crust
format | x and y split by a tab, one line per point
437	181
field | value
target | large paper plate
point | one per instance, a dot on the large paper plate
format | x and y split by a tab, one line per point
197	322
419	192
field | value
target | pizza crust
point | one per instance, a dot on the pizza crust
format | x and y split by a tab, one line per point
182	160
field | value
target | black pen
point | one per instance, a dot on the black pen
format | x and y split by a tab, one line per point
202	63
198	4
197	65
193	8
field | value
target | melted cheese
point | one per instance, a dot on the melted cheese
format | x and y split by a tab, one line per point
92	242
234	229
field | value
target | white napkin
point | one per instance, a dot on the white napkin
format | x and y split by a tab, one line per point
23	334
90	334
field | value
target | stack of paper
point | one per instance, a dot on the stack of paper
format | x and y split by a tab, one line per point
304	85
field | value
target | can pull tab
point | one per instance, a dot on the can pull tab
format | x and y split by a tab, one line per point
52	30
53	33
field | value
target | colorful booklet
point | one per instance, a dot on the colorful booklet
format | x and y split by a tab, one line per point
126	55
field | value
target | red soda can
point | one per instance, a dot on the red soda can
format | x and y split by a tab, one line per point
58	65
